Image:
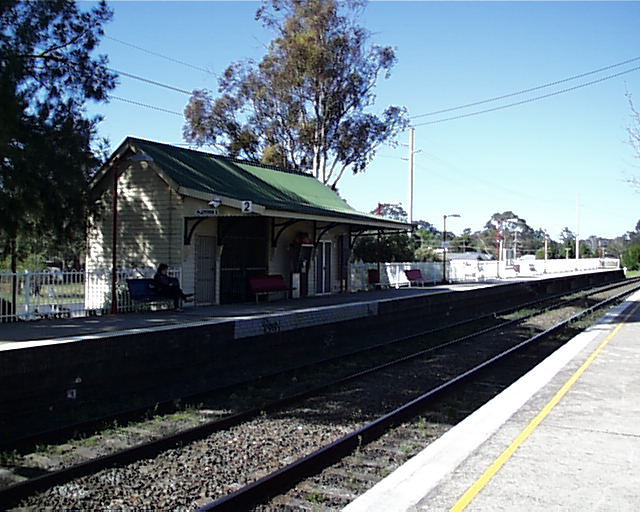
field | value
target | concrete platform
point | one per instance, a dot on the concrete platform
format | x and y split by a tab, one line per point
565	437
58	329
55	330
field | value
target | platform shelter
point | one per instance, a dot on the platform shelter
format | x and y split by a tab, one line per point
221	220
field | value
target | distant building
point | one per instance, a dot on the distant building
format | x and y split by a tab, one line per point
222	220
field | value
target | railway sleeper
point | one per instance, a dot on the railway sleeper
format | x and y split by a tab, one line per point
353	474
338	495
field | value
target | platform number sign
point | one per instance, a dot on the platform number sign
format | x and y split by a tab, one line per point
247	207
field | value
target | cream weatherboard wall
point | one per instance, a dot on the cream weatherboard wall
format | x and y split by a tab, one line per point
149	222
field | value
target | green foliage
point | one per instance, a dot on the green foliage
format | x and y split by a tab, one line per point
426	253
631	258
304	105
393	211
46	75
504	227
427	240
28	261
390	248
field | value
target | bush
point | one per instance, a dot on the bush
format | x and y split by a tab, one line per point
392	248
631	258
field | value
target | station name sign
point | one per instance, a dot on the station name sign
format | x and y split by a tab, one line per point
207	212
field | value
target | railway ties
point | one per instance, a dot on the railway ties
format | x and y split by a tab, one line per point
235	444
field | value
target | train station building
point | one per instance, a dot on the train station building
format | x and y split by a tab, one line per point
221	220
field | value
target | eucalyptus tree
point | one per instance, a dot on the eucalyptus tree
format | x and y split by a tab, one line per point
306	104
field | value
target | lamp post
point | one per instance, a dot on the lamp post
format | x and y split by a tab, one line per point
444	246
546	250
141	157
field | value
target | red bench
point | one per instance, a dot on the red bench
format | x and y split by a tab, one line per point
415	277
264	285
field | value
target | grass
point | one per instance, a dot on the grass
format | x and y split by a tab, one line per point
315	497
9	458
633	273
48	293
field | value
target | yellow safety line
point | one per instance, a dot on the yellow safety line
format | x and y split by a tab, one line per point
473	491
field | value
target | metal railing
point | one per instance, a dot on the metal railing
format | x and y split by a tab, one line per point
66	294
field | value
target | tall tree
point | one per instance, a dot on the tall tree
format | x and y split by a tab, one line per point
507	227
393	211
47	74
305	104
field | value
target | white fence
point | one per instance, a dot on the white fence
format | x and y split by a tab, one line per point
66	294
472	271
391	274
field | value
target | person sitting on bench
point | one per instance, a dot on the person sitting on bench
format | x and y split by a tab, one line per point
170	287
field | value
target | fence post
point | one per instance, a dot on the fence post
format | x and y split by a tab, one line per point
27	293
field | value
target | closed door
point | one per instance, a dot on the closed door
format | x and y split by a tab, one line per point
323	267
205	269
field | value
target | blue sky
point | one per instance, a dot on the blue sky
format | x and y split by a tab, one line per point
539	160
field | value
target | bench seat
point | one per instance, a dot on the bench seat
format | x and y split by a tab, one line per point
145	290
414	276
266	284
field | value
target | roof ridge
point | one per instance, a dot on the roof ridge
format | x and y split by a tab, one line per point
225	157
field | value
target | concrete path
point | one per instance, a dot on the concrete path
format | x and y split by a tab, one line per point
565	437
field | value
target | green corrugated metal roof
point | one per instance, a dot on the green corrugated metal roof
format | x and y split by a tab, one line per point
267	186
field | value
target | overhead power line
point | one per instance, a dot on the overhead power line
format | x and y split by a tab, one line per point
524	91
530	100
152	82
150	52
145	105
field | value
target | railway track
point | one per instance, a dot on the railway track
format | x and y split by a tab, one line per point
245	448
389	349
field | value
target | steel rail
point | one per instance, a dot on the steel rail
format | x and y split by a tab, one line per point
284	478
16	492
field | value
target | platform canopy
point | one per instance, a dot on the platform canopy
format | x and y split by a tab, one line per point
274	192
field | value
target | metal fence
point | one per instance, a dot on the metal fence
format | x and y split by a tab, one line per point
472	271
66	294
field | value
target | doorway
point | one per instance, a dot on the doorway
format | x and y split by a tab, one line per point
205	286
244	254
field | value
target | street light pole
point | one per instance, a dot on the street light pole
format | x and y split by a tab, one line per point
444	246
412	136
141	157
